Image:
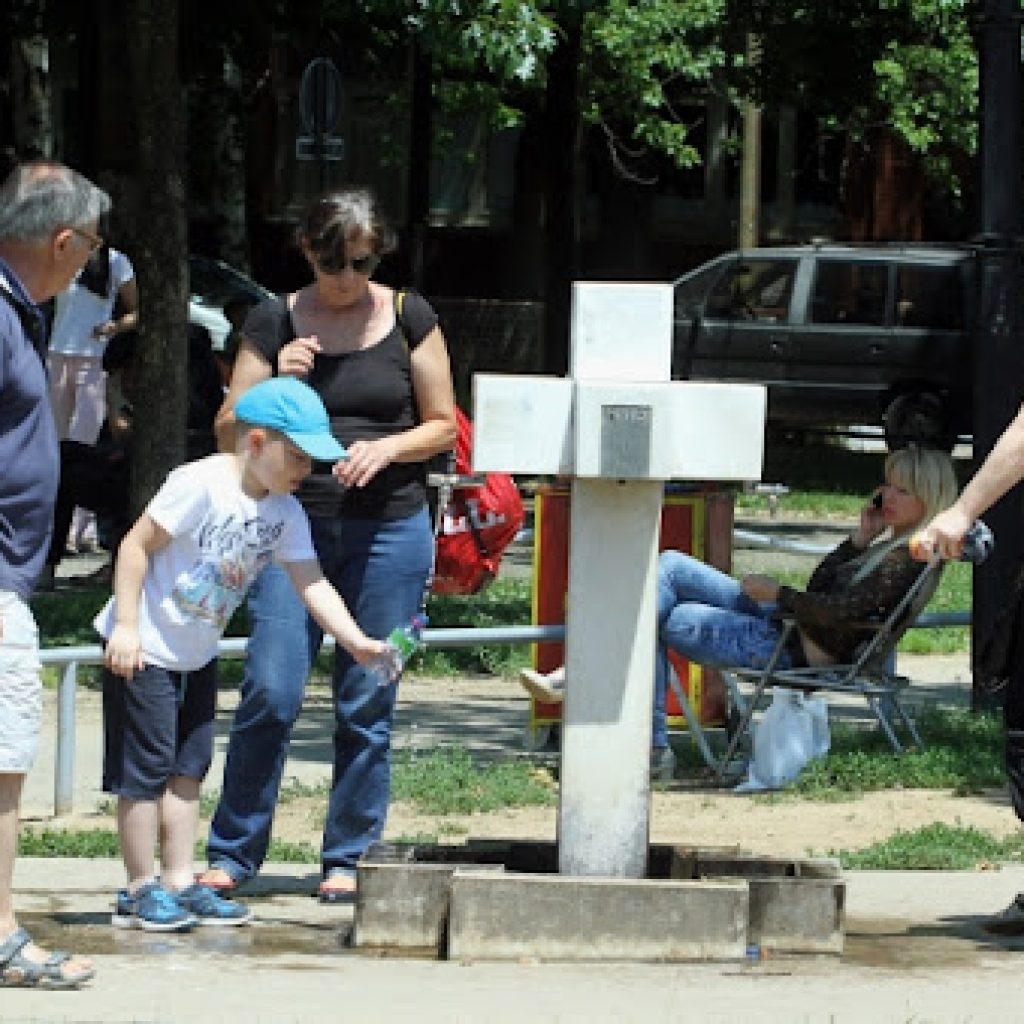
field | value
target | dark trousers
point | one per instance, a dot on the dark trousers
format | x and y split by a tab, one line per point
1000	666
93	477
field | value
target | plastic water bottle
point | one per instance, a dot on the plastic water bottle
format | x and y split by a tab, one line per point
402	643
977	544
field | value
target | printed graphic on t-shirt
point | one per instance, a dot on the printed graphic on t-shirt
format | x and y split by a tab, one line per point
232	552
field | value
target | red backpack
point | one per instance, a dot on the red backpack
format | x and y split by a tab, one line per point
476	525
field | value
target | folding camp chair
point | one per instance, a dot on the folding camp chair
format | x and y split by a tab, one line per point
868	676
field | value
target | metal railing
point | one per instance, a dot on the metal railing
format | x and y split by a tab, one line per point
71	658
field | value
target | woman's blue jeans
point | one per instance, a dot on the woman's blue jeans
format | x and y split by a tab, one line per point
704	615
380	568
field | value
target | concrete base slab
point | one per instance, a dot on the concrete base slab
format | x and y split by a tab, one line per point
558	917
796	915
796	906
504	899
405	908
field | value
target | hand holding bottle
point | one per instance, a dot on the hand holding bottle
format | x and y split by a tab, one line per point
401	644
976	545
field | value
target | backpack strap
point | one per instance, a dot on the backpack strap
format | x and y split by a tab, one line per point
403	324
31	322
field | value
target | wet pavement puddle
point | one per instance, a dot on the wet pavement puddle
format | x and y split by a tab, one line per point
948	944
92	935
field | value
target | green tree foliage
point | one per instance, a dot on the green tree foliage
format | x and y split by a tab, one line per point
910	65
641	59
927	82
906	65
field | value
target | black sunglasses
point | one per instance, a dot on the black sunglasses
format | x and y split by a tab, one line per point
332	263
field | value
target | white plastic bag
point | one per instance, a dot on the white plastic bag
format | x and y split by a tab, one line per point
792	730
821	738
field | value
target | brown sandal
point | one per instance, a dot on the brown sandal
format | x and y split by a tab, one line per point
223	884
331	892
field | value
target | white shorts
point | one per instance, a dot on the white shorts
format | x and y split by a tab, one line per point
21	688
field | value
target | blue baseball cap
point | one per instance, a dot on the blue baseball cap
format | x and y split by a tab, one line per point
295	409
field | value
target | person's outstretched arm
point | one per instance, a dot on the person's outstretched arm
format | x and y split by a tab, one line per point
1003	468
325	604
123	653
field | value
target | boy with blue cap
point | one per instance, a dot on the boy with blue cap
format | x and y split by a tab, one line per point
181	571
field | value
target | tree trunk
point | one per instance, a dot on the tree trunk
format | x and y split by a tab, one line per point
562	131
30	97
217	171
160	256
420	150
884	191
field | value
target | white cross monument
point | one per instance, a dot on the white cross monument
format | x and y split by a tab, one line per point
619	428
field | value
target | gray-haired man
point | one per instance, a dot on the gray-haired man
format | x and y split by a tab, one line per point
48	223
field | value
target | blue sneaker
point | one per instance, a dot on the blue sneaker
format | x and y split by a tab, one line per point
153	909
209	908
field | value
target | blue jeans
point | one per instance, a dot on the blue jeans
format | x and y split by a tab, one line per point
380	568
704	615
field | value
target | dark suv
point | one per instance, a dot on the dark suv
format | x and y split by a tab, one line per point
840	334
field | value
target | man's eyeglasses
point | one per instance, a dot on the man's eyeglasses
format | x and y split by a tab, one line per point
95	242
334	264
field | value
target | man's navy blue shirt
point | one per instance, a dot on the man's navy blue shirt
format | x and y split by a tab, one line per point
29	449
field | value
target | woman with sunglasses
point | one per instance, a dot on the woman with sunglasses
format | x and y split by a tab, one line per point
378	360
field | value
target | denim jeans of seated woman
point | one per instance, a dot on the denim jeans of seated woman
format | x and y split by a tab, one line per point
704	615
380	567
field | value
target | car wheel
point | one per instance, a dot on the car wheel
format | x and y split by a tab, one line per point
918	417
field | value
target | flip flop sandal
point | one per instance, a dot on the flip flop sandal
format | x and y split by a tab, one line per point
328	894
16	970
221	888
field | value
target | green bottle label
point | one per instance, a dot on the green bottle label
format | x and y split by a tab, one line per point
404	642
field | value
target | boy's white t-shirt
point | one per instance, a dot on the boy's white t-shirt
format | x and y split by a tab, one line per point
221	538
77	310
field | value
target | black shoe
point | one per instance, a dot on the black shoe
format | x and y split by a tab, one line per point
1009	921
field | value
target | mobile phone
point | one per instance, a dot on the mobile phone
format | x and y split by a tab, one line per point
877	500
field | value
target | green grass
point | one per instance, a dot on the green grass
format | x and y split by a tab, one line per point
87	844
963	751
935	847
503	603
90	844
953	595
446	780
815	504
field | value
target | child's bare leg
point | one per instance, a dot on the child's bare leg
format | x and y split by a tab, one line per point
179	820
137	829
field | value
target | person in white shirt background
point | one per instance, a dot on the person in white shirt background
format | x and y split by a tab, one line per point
83	323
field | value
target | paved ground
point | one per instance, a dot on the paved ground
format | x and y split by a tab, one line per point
914	951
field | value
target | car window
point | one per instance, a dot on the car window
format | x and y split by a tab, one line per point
754	289
849	292
691	292
930	297
215	283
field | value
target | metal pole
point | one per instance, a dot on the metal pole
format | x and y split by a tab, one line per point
750	167
998	366
64	775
